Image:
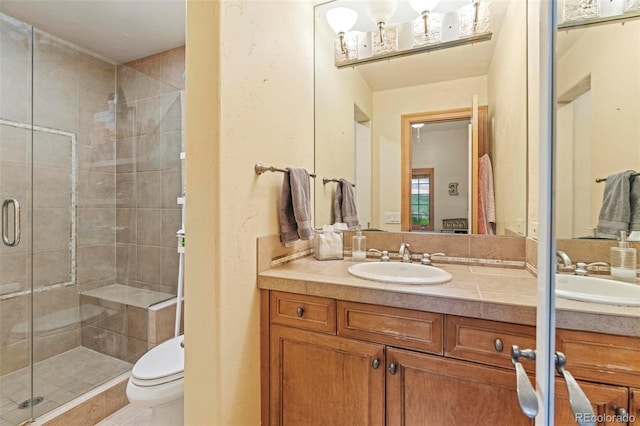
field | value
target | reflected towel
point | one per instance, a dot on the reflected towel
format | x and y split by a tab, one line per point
615	212
486	197
301	200
337	204
348	206
634	204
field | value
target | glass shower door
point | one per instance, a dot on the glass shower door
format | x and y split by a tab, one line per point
16	367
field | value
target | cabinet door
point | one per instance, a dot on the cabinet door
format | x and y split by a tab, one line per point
430	390
605	400
319	379
634	407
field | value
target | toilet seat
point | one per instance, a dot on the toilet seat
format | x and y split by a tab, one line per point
162	364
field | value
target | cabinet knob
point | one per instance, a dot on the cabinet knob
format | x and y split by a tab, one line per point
393	368
375	363
621	414
498	345
300	311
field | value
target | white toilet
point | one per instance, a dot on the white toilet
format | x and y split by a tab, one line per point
157	382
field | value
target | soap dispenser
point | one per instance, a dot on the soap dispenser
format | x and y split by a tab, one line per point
623	260
359	246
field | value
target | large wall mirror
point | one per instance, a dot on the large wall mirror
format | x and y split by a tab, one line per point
598	122
367	113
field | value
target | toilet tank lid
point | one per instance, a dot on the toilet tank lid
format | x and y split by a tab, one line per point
166	359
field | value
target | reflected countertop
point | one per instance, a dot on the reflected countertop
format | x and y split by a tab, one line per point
499	294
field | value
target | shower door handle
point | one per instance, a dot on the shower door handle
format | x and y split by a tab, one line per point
16	222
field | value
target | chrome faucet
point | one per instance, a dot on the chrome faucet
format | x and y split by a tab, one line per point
566	261
404	252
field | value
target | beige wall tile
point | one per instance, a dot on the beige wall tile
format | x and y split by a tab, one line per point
149	264
149	155
14	316
56	106
115	398
126	82
125	190
96	189
13	273
103	341
97	78
50	345
125	155
52	228
51	267
450	245
494	247
126	225
173	65
96	263
170	189
171	223
169	271
126	263
13	145
171	112
149	190
113	317
14	356
149	227
170	146
88	413
136	323
15	62
96	226
51	187
149	113
51	150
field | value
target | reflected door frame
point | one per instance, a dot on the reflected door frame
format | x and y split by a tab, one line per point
479	148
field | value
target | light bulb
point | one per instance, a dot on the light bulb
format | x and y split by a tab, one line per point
423	5
341	19
381	10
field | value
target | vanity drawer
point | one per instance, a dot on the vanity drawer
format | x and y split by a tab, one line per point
488	342
302	311
391	326
600	357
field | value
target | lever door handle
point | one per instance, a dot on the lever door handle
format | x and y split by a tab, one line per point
16	222
580	405
526	394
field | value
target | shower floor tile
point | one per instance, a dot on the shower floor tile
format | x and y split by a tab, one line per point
58	379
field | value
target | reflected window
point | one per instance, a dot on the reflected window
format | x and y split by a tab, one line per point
422	199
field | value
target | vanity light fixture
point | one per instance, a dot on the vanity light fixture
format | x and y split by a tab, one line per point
380	11
424	7
341	20
440	24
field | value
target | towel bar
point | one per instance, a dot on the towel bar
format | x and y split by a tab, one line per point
260	169
598	180
327	180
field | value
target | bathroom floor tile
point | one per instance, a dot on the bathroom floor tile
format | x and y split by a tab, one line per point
128	416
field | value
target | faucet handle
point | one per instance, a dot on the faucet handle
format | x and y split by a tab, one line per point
384	254
582	268
426	258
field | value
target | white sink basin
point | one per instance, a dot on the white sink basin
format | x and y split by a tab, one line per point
399	273
597	290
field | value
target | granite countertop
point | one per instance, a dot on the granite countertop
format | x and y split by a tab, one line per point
492	293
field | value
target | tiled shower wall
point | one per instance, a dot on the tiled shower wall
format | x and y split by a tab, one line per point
148	176
70	92
128	198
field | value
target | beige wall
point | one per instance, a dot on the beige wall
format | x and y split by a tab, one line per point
507	94
263	112
614	128
337	92
388	106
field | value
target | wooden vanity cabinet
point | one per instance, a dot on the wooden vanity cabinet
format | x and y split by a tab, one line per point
428	390
634	406
325	380
348	363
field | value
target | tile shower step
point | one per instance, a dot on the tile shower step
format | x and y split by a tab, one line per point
131	296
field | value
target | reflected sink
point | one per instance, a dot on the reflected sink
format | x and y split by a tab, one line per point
597	290
399	273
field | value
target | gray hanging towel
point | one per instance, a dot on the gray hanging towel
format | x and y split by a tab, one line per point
288	225
349	210
634	201
616	208
301	199
337	204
